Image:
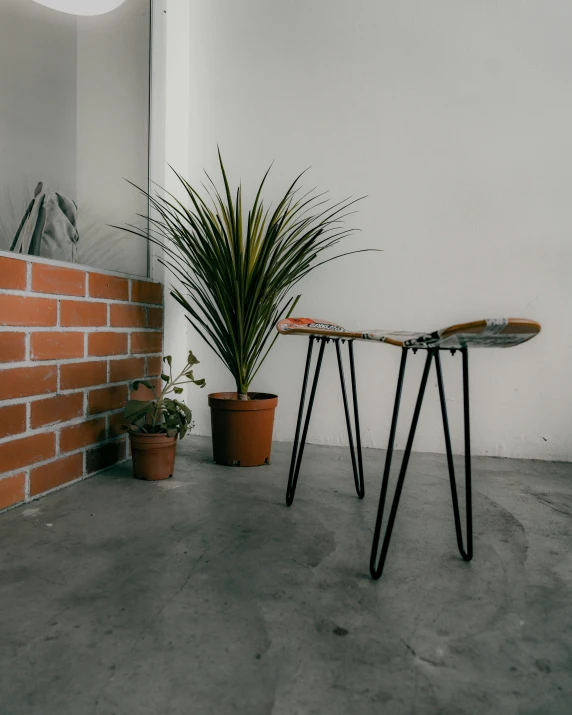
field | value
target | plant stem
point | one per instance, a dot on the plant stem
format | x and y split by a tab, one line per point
241	391
156	411
165	391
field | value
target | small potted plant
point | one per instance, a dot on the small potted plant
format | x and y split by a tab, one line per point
154	425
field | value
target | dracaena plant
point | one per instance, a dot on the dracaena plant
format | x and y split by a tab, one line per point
164	414
238	266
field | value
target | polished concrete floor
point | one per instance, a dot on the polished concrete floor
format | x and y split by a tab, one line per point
206	595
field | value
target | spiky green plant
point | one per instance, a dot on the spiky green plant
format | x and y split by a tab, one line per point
235	273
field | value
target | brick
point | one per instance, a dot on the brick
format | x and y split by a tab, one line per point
12	490
106	399
27	381
56	346
12	274
146	292
52	475
21	452
83	374
56	409
12	420
116	425
22	310
111	287
154	365
83	434
128	316
82	313
54	279
146	343
104	456
155	318
144	393
107	344
12	347
125	370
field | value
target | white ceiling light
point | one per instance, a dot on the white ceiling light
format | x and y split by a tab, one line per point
82	7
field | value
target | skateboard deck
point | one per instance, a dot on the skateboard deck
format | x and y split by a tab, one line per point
487	333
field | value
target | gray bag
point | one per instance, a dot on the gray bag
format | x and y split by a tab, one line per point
48	227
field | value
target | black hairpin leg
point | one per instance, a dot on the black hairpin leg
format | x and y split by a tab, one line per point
300	441
376	567
357	466
298	448
468	553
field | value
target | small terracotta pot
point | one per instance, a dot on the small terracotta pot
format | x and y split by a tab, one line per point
153	455
242	429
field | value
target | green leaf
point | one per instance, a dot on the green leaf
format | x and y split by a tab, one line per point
236	266
181	406
168	360
135	409
177	390
177	416
165	377
192	360
145	383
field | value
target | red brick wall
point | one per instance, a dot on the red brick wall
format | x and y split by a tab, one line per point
71	340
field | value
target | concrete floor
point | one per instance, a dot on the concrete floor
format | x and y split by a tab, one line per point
206	595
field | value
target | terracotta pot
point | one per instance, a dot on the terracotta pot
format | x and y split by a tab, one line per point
242	429
153	455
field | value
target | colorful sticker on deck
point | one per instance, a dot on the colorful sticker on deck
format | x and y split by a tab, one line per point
484	338
309	324
383	336
425	340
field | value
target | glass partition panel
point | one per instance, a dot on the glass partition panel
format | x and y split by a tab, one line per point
74	125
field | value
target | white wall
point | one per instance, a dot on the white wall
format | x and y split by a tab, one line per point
112	135
454	118
170	137
37	100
